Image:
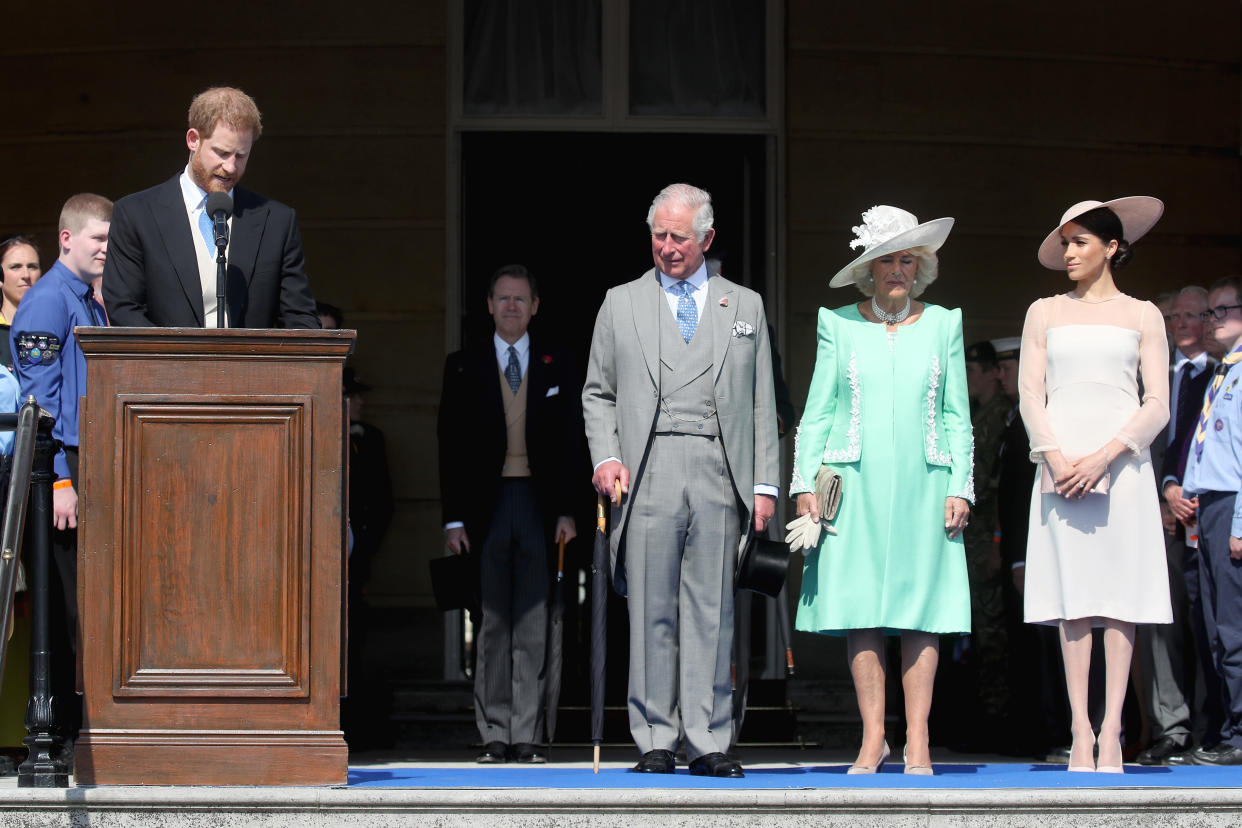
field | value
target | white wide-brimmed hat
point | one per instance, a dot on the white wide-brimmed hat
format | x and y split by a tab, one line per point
888	230
1138	214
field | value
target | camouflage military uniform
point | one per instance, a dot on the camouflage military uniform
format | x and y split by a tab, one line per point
989	634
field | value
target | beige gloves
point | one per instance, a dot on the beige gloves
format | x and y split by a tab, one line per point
803	532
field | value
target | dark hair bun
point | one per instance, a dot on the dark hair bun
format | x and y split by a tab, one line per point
1123	255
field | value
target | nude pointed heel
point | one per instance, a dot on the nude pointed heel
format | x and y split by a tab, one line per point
915	770
871	768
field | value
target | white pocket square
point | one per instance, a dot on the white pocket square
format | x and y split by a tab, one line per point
553	391
743	328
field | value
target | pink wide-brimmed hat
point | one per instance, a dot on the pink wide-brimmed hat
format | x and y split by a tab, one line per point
1138	214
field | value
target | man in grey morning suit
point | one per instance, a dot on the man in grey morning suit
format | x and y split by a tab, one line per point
679	408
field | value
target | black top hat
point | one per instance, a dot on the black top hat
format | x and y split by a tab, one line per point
763	565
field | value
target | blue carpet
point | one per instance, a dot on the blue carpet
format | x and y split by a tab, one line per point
822	776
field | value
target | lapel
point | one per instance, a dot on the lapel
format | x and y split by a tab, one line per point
645	303
719	288
249	221
487	374
174	228
537	382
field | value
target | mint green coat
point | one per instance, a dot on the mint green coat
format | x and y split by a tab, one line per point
895	424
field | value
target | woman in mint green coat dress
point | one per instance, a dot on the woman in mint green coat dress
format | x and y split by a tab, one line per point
888	411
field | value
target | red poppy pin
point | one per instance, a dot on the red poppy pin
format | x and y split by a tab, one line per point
724	301
547	359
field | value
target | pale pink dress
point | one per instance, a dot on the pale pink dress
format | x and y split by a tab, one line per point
1102	556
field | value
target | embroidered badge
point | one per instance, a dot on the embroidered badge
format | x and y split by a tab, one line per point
37	348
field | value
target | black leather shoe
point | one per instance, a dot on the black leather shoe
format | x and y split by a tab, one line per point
716	764
1159	753
494	753
1222	754
1186	757
656	761
529	754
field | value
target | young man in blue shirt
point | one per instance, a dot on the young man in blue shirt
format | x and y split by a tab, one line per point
49	365
1214	476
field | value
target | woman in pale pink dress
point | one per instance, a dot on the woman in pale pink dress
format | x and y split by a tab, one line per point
1095	549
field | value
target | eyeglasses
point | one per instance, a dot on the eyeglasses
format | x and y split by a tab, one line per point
1220	312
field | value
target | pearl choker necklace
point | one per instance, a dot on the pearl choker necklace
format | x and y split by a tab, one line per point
890	318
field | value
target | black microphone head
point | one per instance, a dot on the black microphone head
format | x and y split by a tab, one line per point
219	202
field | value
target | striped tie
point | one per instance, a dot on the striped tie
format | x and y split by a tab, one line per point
1218	379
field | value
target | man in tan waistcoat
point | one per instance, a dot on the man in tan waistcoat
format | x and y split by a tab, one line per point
509	428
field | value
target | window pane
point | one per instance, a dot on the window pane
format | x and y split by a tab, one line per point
689	57
532	57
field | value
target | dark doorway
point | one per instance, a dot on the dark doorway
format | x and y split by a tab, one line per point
572	208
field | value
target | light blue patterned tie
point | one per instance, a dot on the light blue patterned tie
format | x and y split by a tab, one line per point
513	371
687	312
207	231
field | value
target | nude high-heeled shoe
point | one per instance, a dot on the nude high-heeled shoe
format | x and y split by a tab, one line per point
1111	768
871	768
915	770
1072	768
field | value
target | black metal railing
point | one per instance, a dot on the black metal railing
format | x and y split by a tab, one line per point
28	517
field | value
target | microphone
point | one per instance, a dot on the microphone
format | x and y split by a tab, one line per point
220	207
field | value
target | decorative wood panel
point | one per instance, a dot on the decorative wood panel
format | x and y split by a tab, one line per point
185	557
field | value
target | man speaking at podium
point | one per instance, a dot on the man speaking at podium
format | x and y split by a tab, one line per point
161	268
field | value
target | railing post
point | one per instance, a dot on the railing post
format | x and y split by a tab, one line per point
44	766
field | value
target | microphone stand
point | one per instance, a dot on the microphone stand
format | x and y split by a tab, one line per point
221	282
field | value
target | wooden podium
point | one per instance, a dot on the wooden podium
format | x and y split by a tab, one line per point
211	563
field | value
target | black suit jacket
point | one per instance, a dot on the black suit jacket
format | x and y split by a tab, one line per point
1174	460
473	437
151	274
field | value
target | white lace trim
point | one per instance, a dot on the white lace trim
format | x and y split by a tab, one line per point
851	452
796	484
968	493
934	454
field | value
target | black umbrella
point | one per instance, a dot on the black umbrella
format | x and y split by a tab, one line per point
784	630
556	643
599	621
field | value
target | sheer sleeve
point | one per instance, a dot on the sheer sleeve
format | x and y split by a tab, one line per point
1145	424
1032	396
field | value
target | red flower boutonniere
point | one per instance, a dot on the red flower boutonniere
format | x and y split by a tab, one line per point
724	301
547	359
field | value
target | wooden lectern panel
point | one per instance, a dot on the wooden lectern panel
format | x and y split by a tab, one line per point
187	555
211	566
